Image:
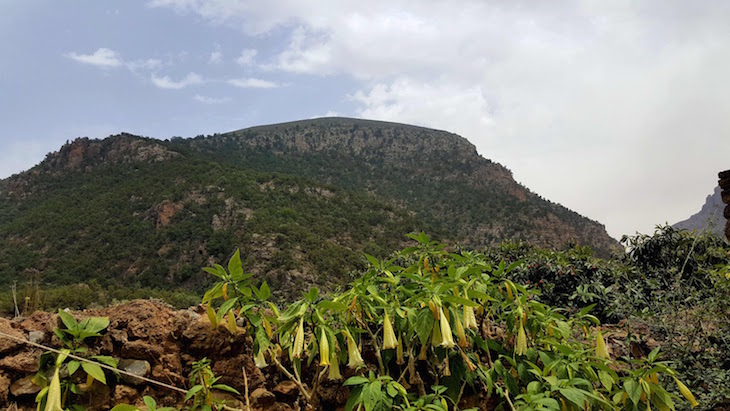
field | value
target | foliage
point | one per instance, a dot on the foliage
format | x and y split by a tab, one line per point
441	319
201	393
54	393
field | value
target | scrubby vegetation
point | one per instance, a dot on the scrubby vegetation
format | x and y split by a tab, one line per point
516	326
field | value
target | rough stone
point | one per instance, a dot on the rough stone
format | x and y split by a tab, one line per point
140	368
4	388
124	394
36	336
6	344
25	362
24	386
98	396
287	388
261	397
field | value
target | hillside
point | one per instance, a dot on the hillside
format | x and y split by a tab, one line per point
297	198
709	217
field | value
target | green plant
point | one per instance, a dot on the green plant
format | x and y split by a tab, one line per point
204	382
149	402
434	318
56	391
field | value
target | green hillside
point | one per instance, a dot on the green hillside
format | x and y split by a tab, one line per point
297	198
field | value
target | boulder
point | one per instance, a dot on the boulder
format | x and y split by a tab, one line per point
287	389
24	386
261	397
139	368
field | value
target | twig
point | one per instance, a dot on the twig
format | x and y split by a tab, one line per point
375	346
76	357
245	388
292	378
506	395
461	392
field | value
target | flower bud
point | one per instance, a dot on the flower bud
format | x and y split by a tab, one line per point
399	352
470	320
389	341
324	349
299	340
521	346
601	351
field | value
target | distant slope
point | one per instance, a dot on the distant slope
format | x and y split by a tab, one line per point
710	217
301	200
437	174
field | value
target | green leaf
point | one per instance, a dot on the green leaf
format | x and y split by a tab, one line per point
633	389
313	294
354	399
95	324
106	360
355	380
653	354
127	407
73	366
68	320
331	306
606	380
225	307
265	291
214	272
150	403
192	391
224	387
423	325
574	395
459	300
95	371
549	403
234	265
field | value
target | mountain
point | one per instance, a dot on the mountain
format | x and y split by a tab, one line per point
302	200
710	217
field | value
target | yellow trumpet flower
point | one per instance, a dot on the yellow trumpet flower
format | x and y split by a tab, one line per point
260	360
447	339
334	370
353	353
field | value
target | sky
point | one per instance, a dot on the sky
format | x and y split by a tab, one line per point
619	110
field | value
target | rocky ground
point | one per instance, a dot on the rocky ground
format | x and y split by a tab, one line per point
154	340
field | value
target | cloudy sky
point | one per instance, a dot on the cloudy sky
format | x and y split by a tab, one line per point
619	110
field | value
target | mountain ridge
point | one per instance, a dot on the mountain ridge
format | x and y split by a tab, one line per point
302	200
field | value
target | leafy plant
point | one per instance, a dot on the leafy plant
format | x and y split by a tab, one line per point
201	393
54	393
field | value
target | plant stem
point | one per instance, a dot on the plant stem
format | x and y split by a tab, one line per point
292	378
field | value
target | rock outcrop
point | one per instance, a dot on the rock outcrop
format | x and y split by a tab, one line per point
724	182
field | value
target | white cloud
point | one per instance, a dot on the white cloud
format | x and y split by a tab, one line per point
167	83
614	109
247	57
216	56
149	64
102	57
252	83
212	100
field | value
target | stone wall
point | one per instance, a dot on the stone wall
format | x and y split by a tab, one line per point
725	186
